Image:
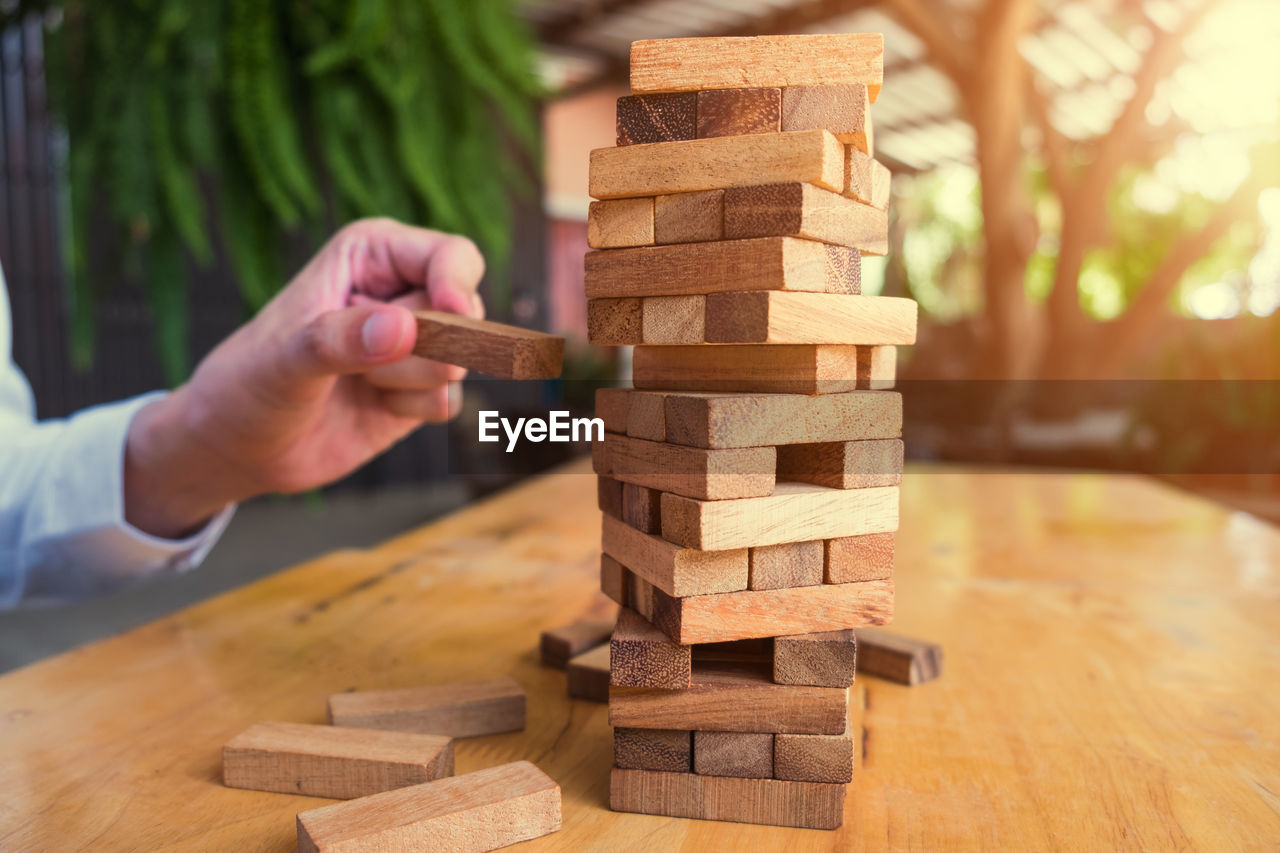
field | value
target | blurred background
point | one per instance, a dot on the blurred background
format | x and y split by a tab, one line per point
1086	206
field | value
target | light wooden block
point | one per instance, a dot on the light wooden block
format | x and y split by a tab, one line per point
811	805
653	749
877	368
615	581
587	675
460	709
859	558
615	323
327	761
643	119
642	508
746	755
748	368
673	319
611	407
609	496
647	415
695	217
843	464
810	156
905	660
784	566
677	571
472	813
865	179
809	318
693	471
823	659
795	512
728	699
557	645
691	64
769	263
620	222
495	349
814	758
845	110
803	210
735	112
751	420
643	656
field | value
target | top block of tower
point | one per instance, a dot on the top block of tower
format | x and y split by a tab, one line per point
692	64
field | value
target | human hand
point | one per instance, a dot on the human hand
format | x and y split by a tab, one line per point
318	383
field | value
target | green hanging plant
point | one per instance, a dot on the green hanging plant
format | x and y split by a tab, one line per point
273	118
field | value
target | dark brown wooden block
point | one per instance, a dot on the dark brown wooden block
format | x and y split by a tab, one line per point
897	658
615	580
653	749
825	659
587	675
615	323
843	464
689	217
609	496
812	805
643	656
737	112
743	754
787	565
611	407
557	645
642	508
814	758
665	117
495	349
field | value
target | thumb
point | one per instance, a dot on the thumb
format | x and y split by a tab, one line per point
351	340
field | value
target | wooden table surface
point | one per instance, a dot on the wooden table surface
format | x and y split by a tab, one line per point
1112	680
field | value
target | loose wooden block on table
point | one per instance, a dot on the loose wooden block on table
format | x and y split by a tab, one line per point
587	675
684	269
676	570
694	471
734	112
460	709
812	805
495	349
692	64
823	659
717	420
845	110
653	749
897	658
788	565
877	367
814	758
609	496
558	645
859	558
750	368
742	754
642	508
328	761
809	318
647	415
694	217
620	222
865	179
643	119
643	656
843	464
725	698
803	210
475	812
809	156
611	407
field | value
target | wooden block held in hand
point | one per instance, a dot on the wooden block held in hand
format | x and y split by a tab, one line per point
587	675
748	368
824	659
877	368
741	754
678	571
472	813
859	558
643	656
620	222
735	112
803	210
653	749
495	349
845	110
894	657
609	496
814	758
558	645
809	318
645	119
693	471
696	217
843	464
460	709
811	805
611	407
784	566
327	761
752	420
865	179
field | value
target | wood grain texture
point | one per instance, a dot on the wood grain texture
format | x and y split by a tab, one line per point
695	217
678	571
898	658
611	407
615	323
795	512
472	813
642	508
328	761
810	156
859	558
811	805
769	263
587	675
823	659
803	210
843	464
557	645
865	179
844	109
609	496
643	119
725	698
673	319
495	349
460	709
743	754
877	368
735	112
748	368
691	64
653	749
643	656
814	758
647	415
784	566
620	222
752	420
615	580
693	471
809	318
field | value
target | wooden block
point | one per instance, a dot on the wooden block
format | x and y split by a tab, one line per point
725	698
614	323
811	805
809	318
897	658
620	222
865	179
642	508
690	64
810	156
748	368
673	319
803	210
643	656
843	464
770	263
694	471
647	415
460	709
615	580
475	812
656	118
677	571
640	595
609	496
784	566
587	675
735	112
814	758
845	110
877	368
653	749
859	558
558	645
495	349
795	512
611	407
327	761
689	217
742	754
751	420
824	659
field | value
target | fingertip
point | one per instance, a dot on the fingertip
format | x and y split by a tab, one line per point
389	333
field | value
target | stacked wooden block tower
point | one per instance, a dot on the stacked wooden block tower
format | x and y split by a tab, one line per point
749	480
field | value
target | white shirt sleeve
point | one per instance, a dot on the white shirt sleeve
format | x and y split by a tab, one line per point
63	535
